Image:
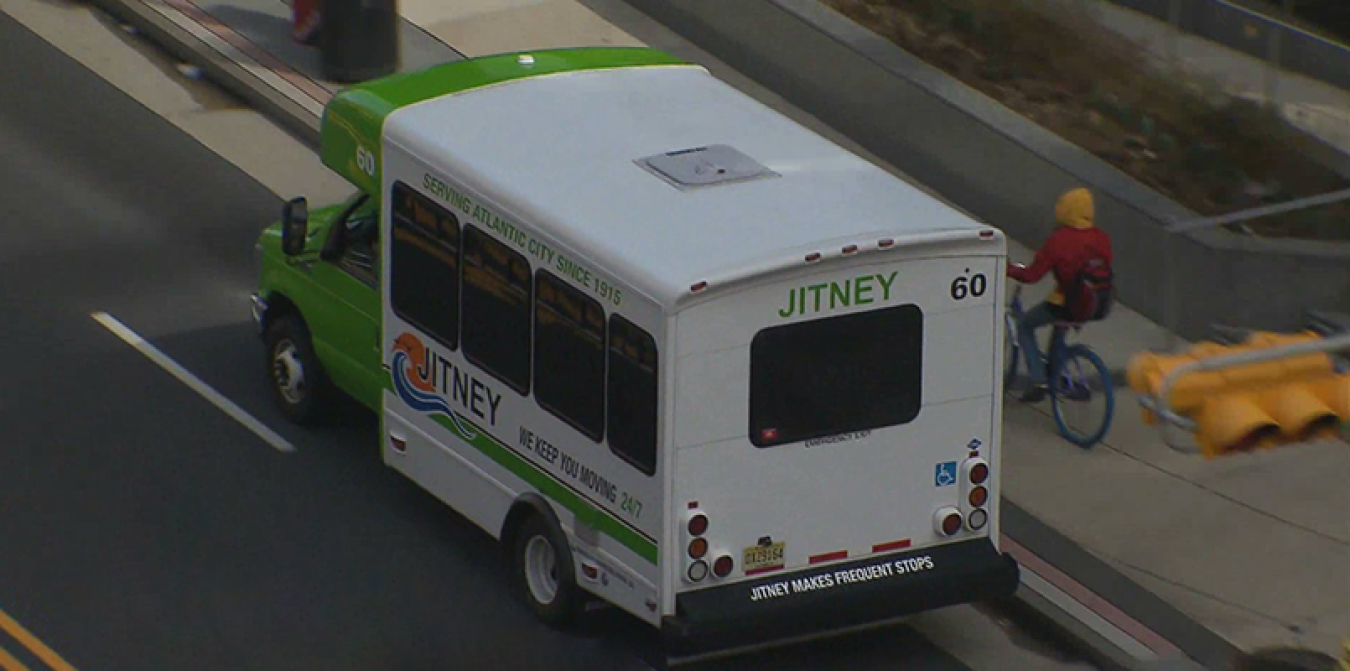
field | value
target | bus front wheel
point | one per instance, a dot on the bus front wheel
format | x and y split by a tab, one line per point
544	572
299	385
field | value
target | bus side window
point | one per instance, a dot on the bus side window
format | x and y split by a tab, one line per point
632	394
424	268
497	292
569	354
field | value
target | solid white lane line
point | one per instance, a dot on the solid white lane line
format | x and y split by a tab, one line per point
131	338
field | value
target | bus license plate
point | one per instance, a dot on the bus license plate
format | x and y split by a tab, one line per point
762	556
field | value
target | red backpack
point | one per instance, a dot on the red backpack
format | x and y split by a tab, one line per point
1090	296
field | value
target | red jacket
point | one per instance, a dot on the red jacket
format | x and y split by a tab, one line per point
1074	242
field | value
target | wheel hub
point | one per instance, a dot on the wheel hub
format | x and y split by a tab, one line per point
289	372
541	570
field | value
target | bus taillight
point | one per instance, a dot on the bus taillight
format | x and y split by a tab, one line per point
978	518
979	472
697	571
722	567
696	546
978	497
947	521
698	525
975	493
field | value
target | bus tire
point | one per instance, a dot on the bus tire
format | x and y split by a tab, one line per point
299	386
544	573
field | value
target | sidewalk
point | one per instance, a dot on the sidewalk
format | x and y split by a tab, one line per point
1256	550
1318	108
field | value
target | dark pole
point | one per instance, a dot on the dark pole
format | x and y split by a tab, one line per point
360	39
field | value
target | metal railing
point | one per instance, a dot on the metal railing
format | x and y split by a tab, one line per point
1173	231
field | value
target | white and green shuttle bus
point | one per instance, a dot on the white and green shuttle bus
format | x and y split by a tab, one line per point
676	351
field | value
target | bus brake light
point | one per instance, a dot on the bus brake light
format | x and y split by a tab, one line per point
947	521
698	524
979	473
722	567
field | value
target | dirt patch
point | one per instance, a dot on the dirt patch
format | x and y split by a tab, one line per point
1174	131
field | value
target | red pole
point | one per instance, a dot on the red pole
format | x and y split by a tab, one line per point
305	20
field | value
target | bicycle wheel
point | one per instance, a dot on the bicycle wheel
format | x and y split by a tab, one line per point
1083	396
1010	352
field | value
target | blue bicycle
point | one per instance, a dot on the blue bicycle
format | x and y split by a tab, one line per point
1081	389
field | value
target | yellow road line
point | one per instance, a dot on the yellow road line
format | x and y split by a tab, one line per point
27	640
8	663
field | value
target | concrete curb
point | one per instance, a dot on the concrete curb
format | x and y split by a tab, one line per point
1075	635
221	70
965	145
1191	642
1229	24
1028	601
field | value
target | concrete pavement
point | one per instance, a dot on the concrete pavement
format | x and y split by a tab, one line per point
1254	548
1320	109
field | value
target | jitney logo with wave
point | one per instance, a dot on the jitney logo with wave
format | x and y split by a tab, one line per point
431	384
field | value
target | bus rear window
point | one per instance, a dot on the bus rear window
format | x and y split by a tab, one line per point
837	375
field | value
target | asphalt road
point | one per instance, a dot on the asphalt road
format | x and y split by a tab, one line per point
143	528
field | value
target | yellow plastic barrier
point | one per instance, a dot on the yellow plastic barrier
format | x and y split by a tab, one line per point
1262	404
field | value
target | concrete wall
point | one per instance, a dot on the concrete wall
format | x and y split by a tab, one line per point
1250	33
1000	166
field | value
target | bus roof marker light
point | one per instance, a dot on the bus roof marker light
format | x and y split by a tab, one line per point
885	243
698	286
987	234
851	249
525	60
813	257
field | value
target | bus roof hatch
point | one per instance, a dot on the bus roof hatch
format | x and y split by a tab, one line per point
705	166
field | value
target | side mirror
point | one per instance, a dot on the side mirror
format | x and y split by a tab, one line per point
294	226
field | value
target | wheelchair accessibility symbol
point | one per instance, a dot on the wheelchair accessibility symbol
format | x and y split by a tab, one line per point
945	475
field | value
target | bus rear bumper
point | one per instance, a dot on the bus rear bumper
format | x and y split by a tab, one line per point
833	598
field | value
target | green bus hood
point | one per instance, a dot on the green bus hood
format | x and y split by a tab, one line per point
353	119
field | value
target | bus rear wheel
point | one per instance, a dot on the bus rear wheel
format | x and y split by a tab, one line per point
299	385
544	573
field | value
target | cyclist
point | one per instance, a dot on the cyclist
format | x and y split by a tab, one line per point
1074	242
